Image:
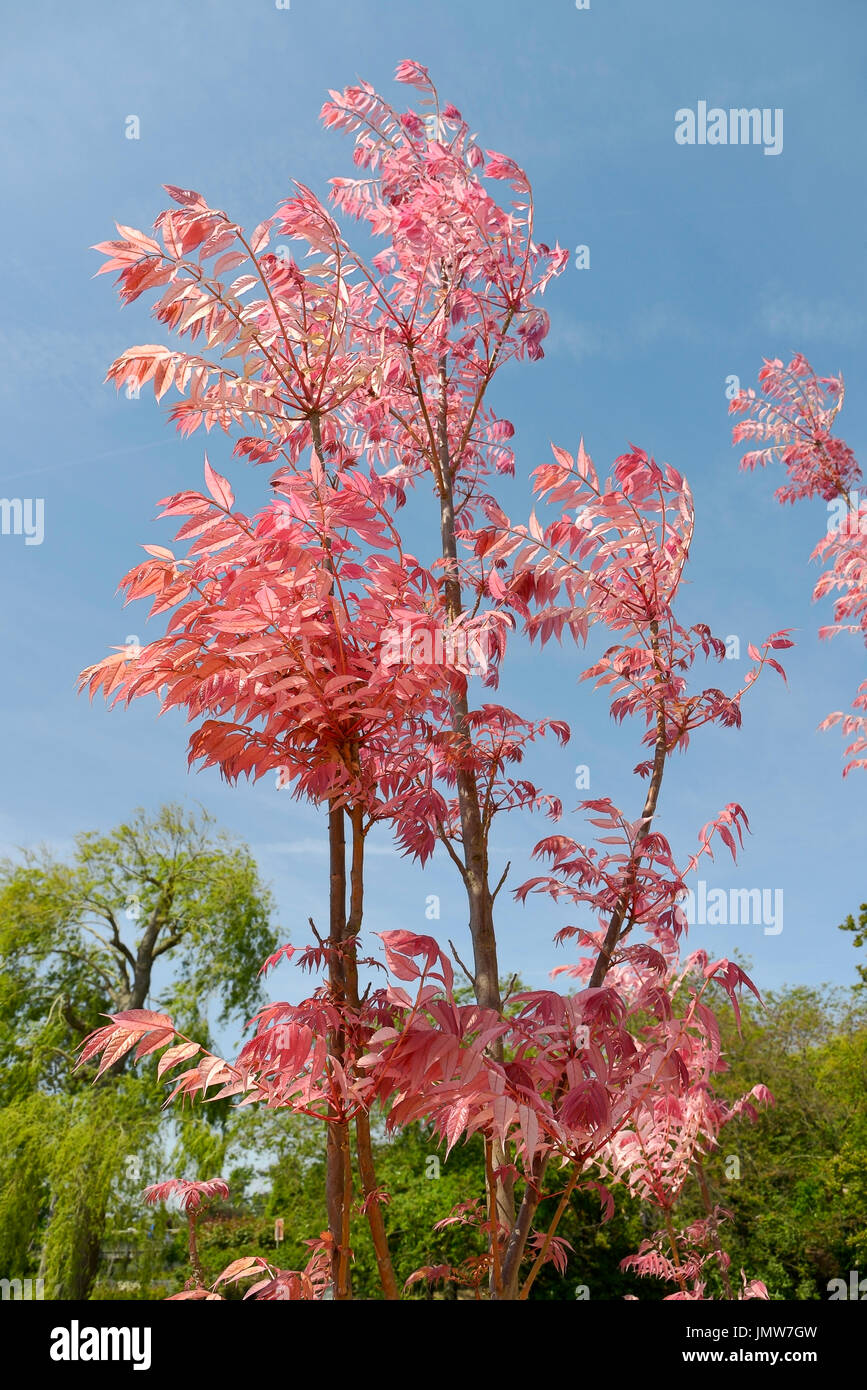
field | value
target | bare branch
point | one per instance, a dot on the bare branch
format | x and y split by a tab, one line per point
502	881
470	977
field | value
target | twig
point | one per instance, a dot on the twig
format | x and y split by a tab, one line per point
470	977
501	882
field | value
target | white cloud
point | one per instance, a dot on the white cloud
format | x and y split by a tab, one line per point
656	323
782	313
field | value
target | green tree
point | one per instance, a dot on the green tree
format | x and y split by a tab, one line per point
794	1179
164	912
860	930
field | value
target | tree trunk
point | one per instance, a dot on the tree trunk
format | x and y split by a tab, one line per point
343	978
338	1171
486	981
364	1146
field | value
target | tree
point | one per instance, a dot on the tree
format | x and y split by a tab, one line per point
311	698
381	371
78	940
860	930
793	1181
797	416
81	938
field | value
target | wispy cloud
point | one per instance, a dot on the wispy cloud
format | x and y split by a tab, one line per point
783	313
658	323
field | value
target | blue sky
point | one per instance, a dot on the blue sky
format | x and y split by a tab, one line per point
703	260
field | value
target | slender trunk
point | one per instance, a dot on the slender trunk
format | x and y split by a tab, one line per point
338	1165
485	966
615	926
675	1251
551	1232
338	1170
195	1262
367	1173
517	1242
364	1147
486	981
343	978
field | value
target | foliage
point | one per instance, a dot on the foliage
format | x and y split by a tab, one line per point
799	1204
352	679
859	929
797	415
76	938
796	1192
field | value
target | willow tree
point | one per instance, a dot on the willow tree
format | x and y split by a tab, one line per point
164	909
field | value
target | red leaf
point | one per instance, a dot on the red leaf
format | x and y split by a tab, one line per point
218	487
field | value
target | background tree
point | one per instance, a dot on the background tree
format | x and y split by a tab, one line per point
794	1178
165	896
859	929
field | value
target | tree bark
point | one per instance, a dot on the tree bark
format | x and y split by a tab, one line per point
364	1146
338	1171
343	977
486	974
